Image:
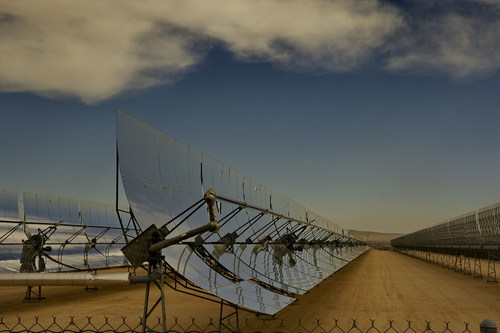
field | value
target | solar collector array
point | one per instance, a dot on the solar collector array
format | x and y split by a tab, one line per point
471	233
76	224
162	177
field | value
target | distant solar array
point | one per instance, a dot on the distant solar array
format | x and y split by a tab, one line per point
474	233
57	233
268	248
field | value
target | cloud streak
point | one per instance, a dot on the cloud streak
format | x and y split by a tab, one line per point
452	43
94	50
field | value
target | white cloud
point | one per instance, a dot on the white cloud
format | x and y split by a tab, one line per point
459	46
97	49
90	49
331	35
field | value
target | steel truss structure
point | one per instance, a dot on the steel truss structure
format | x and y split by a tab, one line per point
458	263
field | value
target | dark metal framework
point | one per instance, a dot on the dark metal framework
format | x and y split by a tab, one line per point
458	263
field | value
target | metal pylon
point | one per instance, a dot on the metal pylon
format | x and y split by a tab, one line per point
233	312
434	258
442	260
160	301
458	263
467	270
492	271
32	295
450	262
478	273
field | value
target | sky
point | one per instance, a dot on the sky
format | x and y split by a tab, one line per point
378	115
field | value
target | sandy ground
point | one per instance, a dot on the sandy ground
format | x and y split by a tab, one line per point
379	285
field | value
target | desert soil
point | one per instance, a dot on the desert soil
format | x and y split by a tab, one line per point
380	285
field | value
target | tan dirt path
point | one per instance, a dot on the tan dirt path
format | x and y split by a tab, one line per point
379	285
386	285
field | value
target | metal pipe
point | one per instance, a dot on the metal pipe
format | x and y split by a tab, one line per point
213	226
210	199
63	279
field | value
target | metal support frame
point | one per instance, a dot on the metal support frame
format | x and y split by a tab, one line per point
117	181
132	224
233	312
181	284
276	216
108	248
458	263
492	271
450	261
148	310
92	245
140	249
147	246
467	270
11	231
478	273
32	295
44	233
180	281
446	258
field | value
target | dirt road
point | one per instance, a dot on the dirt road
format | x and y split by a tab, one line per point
379	285
386	285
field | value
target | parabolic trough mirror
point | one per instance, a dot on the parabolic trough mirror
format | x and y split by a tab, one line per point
267	248
216	228
43	233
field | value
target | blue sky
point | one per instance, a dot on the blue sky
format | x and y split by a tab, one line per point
379	116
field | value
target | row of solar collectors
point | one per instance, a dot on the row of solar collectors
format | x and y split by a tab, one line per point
297	278
86	234
153	204
478	228
158	159
68	258
163	178
157	205
33	207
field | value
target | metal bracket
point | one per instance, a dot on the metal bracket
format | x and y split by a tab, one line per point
137	250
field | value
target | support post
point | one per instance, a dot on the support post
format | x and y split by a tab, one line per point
478	273
458	263
467	270
492	271
147	246
161	299
32	295
450	262
233	313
